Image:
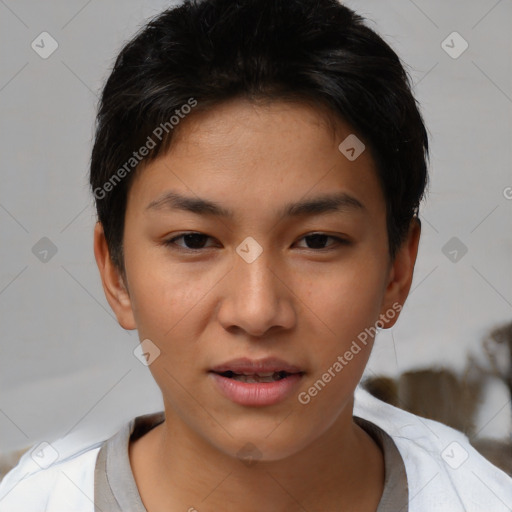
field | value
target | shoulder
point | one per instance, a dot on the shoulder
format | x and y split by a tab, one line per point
444	471
54	476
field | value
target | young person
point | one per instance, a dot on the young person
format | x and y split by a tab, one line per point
257	169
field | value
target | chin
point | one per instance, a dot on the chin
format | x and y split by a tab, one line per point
262	444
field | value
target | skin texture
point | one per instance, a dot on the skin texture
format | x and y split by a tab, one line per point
301	302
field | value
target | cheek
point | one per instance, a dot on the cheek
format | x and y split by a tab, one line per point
169	308
164	296
342	308
347	299
161	304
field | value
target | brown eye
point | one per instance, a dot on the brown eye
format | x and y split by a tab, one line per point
318	241
192	241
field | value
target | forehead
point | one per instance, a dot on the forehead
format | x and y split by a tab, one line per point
251	154
224	123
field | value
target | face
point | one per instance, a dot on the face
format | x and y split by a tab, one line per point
255	237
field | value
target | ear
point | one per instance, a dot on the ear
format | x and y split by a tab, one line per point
114	286
400	276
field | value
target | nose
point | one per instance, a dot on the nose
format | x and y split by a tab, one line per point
257	298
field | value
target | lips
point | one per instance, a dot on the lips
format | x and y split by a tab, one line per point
261	382
256	377
269	368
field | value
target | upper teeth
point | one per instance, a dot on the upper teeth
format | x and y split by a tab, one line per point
260	374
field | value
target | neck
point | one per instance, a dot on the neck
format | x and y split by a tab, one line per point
175	469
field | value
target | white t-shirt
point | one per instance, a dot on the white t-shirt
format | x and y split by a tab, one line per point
444	472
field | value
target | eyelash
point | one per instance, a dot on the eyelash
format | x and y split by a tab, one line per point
171	242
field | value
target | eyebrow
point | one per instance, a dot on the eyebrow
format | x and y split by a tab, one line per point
338	202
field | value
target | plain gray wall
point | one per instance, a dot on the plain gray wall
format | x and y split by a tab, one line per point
65	362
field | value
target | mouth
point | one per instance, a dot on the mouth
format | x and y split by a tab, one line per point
269	369
256	382
257	377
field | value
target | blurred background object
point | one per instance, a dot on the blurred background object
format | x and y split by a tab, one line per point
440	395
